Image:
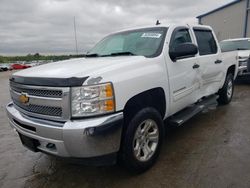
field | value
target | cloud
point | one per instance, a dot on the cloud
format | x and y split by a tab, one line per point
46	26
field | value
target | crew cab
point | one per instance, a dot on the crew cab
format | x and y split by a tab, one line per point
115	103
242	47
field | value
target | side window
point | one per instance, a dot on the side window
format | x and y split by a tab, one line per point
206	42
180	37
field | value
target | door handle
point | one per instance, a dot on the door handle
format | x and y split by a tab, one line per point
196	66
218	61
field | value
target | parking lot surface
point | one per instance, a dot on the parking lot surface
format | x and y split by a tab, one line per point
210	150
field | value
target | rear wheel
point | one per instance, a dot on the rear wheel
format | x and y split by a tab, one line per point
142	140
226	92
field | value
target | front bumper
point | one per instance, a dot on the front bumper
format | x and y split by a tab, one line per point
85	138
242	70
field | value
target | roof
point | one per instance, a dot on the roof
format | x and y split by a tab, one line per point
220	8
236	39
161	25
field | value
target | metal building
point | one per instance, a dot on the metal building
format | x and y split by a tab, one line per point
229	21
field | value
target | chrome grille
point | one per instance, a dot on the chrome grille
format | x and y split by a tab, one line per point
44	110
50	103
37	92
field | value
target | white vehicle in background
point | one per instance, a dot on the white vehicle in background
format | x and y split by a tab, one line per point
113	103
5	67
32	64
242	47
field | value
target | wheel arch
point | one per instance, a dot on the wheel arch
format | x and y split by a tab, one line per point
232	69
154	98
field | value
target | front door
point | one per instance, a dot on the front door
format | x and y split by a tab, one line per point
183	77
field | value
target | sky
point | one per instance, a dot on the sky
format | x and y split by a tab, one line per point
47	26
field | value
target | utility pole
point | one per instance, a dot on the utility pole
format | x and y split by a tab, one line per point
75	35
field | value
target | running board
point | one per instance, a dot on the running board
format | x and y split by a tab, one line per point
181	117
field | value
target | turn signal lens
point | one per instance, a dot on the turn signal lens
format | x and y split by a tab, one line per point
92	100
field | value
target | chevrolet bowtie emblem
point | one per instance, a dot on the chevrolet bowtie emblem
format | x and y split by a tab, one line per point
24	98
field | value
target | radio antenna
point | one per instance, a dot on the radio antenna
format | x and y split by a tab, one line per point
158	22
76	46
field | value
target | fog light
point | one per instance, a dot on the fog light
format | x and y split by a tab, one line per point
51	146
89	131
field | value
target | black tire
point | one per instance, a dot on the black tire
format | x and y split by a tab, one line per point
224	97
127	156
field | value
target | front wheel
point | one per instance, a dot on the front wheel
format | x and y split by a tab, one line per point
226	92
142	140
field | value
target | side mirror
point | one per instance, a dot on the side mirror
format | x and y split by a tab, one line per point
183	50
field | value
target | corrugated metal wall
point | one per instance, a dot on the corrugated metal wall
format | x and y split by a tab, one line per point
248	20
248	25
228	22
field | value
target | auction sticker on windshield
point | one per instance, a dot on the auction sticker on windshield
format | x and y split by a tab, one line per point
151	35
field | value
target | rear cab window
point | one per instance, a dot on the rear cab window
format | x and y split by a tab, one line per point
206	41
235	45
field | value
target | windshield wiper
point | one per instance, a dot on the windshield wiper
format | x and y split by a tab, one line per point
112	54
121	53
92	55
242	49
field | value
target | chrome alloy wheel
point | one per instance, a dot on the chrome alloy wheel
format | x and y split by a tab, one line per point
230	89
146	140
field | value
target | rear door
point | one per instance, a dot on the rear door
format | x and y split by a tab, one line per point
210	61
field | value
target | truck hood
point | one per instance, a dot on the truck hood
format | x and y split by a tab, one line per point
244	53
80	67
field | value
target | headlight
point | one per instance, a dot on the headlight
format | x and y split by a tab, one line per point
242	63
92	100
240	57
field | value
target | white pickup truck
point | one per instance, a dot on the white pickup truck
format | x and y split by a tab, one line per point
114	103
242	48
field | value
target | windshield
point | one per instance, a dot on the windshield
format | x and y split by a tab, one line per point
143	42
227	46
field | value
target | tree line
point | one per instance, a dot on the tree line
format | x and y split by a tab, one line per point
37	57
